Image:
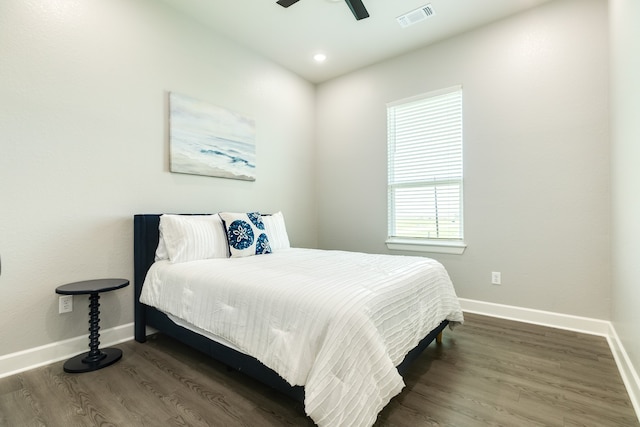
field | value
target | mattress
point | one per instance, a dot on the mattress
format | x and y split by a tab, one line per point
334	322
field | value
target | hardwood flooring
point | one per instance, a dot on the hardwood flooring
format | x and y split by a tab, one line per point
488	372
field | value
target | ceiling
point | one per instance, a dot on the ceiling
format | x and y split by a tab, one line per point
293	35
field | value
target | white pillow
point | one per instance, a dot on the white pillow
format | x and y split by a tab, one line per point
276	230
193	237
246	235
161	250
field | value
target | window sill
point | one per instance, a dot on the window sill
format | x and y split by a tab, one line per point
433	246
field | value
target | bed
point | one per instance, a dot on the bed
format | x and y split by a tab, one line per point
329	355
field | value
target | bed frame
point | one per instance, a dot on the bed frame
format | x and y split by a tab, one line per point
146	236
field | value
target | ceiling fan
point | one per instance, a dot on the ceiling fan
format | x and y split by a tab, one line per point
356	6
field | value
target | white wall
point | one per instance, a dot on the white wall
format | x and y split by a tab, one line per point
536	150
83	147
625	138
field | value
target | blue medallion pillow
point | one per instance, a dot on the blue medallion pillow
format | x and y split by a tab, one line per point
246	234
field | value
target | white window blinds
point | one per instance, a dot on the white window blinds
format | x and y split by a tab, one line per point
425	166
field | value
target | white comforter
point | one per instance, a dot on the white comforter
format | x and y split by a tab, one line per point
335	322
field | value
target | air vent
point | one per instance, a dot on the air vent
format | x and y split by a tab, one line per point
416	16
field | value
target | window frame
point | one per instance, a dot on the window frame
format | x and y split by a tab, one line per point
422	244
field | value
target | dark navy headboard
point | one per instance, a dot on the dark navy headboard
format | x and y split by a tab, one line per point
145	241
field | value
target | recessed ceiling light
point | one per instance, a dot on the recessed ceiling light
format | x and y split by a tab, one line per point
320	57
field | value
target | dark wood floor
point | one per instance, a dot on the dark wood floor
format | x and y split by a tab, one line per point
489	372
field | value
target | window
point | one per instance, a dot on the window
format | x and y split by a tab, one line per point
425	172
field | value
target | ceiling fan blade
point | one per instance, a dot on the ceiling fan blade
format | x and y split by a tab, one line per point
358	9
286	3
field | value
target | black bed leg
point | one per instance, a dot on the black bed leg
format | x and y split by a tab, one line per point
140	323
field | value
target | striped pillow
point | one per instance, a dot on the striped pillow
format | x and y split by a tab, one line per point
193	237
276	230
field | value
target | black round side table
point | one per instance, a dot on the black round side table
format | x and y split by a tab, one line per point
95	359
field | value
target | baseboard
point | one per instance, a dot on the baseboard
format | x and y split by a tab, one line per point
538	317
627	371
571	323
14	363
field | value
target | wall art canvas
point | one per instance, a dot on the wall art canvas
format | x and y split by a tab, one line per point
209	140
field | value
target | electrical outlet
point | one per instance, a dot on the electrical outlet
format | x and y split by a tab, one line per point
496	278
65	304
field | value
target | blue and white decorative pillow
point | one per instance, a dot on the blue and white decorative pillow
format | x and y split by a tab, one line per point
245	233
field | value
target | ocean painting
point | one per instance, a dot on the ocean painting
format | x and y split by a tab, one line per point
210	140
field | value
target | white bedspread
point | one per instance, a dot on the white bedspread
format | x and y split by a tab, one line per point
335	322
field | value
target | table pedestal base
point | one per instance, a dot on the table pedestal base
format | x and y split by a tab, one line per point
80	362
